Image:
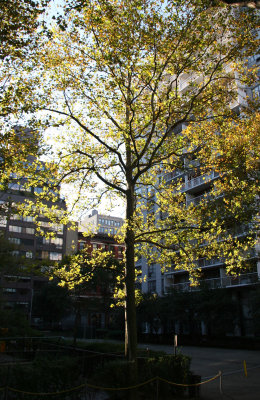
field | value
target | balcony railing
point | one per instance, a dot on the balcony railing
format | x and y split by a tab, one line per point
169	176
196	200
223	282
204	262
199	180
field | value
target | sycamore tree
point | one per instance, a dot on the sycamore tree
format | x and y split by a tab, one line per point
122	78
21	26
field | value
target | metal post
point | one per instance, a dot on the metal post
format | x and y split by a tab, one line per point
175	344
220	382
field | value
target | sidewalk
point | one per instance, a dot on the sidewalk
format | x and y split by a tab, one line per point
207	362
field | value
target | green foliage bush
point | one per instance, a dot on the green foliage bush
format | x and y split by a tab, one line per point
15	323
45	374
115	374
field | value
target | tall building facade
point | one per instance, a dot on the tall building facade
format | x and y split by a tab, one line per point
196	187
31	249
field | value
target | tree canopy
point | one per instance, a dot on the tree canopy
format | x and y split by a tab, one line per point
124	80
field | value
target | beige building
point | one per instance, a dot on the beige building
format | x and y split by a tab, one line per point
101	223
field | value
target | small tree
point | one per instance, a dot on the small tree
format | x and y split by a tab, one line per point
52	303
112	73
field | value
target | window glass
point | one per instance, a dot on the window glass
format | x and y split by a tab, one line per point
13	186
9	290
81	245
14	228
16	216
57	241
15	240
55	256
28	218
29	231
3	221
38	190
45	254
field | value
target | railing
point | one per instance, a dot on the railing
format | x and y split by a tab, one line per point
188	81
196	200
169	176
204	262
223	282
200	180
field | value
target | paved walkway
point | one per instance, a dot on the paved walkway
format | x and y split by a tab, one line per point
207	362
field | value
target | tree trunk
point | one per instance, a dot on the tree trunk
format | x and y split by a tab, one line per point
130	308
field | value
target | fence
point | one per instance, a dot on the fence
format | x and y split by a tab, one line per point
89	391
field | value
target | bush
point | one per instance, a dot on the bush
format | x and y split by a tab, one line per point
45	374
115	374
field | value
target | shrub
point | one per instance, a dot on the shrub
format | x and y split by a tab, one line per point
45	374
171	368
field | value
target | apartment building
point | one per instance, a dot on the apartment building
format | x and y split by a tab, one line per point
101	223
196	187
101	241
18	286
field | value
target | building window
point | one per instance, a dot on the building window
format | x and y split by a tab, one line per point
9	290
38	190
29	231
152	286
15	253
3	221
256	91
28	254
15	240
57	241
81	245
14	228
28	218
45	254
151	270
13	186
55	256
57	228
16	216
25	188
44	224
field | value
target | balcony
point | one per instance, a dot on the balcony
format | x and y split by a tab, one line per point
200	181
214	261
169	176
196	200
223	282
